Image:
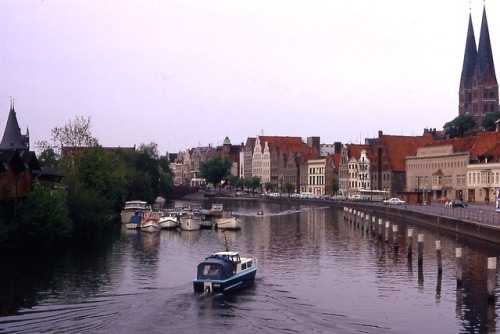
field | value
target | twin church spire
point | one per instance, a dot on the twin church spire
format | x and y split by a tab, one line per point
478	93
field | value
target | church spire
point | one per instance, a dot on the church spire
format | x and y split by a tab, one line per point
12	137
470	57
485	66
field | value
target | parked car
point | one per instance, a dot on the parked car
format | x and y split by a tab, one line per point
458	203
394	201
443	199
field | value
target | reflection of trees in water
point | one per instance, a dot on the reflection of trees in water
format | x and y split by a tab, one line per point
72	271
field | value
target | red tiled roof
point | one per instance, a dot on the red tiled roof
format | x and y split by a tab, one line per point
476	145
397	148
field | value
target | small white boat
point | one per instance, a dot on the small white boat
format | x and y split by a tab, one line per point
169	221
190	221
150	225
228	221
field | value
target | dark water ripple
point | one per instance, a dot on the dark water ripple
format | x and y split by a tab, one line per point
317	274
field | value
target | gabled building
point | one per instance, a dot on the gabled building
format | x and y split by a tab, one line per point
246	154
354	168
388	161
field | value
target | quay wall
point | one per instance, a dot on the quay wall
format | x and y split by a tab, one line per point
465	227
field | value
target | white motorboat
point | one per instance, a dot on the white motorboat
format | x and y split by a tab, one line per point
190	221
228	221
131	208
150	225
169	221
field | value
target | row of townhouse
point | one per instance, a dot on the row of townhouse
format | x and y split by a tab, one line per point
467	168
286	163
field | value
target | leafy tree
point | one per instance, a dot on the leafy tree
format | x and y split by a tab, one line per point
289	187
461	126
335	184
215	170
96	187
76	133
166	177
144	174
44	216
489	121
268	186
48	158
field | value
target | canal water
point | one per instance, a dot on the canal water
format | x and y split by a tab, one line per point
317	274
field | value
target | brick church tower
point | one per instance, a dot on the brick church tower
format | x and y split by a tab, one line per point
478	93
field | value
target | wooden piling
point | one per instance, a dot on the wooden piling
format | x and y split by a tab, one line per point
380	229
438	256
395	237
458	260
410	242
492	277
372	225
420	248
387	226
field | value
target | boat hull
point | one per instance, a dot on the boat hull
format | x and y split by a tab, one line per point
190	224
168	223
150	227
230	223
236	282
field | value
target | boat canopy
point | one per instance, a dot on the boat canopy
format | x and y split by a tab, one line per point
215	268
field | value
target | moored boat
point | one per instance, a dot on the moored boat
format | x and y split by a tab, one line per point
169	220
134	222
217	209
228	221
224	272
130	209
150	225
190	221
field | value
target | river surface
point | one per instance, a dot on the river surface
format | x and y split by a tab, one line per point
317	274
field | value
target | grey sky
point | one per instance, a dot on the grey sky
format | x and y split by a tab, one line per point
188	73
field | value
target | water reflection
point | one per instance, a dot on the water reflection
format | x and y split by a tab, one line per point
317	272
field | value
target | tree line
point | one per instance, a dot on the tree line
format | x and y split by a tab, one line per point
92	190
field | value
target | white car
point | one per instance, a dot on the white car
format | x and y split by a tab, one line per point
394	201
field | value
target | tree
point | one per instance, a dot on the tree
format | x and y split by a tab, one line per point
289	187
268	186
44	216
76	133
215	170
461	126
96	188
335	185
489	121
48	158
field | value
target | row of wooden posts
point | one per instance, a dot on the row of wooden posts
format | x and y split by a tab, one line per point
376	228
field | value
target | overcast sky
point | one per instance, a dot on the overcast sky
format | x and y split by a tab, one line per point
188	73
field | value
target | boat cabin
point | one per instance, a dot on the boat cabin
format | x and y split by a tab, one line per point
136	205
223	265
